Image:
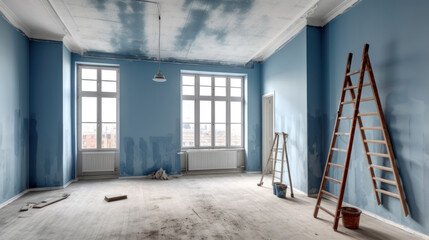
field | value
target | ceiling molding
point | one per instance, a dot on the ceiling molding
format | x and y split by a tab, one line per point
14	20
338	10
296	25
68	38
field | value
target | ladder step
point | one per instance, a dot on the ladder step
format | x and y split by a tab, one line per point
375	141
387	193
348	102
333	180
329	194
345	118
356	86
353	73
277	171
367	99
384	180
371	128
341	133
326	210
382	167
335	165
378	154
367	114
339	150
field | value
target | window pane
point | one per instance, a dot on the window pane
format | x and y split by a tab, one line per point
108	109
89	135
235	134
235	92
220	111
235	82
220	134
108	86
89	86
109	75
220	91
205	91
235	112
89	109
188	131
188	80
188	90
205	81
89	73
220	81
205	111
108	135
205	135
188	111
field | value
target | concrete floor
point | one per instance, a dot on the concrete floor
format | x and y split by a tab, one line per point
189	207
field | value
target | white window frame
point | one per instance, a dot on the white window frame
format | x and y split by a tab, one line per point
99	95
197	98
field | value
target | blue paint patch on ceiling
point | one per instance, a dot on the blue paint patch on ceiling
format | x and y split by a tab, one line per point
130	38
197	23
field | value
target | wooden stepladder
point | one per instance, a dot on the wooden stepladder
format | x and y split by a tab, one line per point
355	100
272	159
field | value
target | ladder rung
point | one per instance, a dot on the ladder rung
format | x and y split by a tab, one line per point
355	86
277	171
329	194
378	154
353	73
279	149
341	133
327	211
367	114
333	180
339	150
371	128
382	167
348	102
345	118
384	180
335	165
367	99
375	141
387	193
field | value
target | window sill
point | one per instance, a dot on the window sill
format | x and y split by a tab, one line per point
210	149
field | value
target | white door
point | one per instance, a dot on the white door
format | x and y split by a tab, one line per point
267	129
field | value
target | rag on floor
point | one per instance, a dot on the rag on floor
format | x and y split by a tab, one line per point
160	174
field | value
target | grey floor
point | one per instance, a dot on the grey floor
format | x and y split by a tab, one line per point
190	207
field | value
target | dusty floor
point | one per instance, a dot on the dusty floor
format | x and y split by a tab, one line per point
189	207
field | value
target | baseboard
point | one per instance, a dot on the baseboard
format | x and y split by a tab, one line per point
253	172
36	190
14	198
406	229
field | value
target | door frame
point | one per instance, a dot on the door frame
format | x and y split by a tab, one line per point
265	97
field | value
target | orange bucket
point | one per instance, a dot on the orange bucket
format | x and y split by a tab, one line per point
351	217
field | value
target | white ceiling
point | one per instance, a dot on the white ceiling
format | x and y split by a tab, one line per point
218	31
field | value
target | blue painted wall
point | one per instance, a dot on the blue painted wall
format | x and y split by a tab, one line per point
14	111
398	35
314	108
68	164
46	111
150	114
285	74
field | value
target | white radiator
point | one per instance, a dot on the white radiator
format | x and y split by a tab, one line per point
98	161
213	159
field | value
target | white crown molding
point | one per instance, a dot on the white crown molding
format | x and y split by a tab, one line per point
13	19
340	9
288	32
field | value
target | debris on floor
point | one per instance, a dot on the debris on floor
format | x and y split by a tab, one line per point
50	201
160	174
110	198
27	207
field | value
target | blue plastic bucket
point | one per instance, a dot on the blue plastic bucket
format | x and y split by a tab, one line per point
274	188
281	190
